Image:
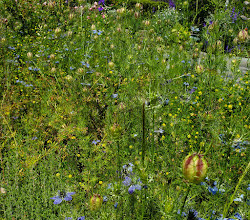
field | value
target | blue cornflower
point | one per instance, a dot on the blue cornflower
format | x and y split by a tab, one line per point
115	205
248	188
81	218
186	84
62	195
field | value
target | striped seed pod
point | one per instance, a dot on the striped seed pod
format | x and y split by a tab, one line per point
195	168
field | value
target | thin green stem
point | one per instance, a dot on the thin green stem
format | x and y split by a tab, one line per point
143	132
185	199
227	205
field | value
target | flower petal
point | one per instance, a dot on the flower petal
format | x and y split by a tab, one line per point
57	201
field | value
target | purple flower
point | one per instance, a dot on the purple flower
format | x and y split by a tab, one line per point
238	216
171	4
100	8
127	181
62	195
81	218
101	2
131	189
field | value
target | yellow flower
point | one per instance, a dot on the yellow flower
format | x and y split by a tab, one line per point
69	176
58	174
100	182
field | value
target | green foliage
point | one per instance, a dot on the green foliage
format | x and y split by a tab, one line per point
73	87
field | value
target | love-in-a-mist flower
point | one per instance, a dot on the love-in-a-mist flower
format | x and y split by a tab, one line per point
62	195
195	168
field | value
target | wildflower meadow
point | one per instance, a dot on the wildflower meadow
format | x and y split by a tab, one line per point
134	109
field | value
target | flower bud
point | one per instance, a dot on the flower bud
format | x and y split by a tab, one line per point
195	168
57	30
137	14
147	23
116	130
243	35
138	6
95	202
111	64
29	55
199	69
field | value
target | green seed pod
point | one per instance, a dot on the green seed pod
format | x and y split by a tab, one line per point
95	202
195	168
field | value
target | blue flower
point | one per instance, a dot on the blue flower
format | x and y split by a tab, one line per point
131	189
166	102
248	188
138	186
115	205
81	218
68	218
171	4
127	181
114	96
240	199
96	142
128	167
62	195
213	190
105	199
238	216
